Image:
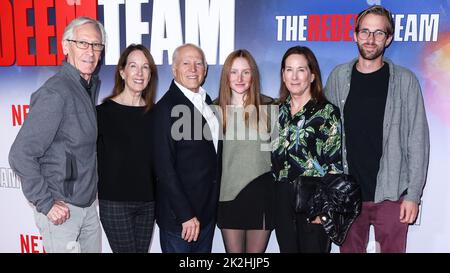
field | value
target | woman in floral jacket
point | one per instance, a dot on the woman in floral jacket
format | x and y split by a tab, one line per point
308	144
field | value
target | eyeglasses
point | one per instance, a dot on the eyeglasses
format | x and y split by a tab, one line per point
379	35
85	45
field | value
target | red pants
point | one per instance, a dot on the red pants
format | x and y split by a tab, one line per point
390	233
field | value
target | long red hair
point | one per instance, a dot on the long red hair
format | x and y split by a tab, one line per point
252	96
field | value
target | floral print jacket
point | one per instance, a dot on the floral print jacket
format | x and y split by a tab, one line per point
308	143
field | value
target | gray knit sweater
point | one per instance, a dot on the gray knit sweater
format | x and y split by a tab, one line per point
246	155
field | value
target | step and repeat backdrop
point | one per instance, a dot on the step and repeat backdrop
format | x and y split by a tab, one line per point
30	35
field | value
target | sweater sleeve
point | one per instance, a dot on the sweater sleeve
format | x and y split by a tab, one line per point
33	140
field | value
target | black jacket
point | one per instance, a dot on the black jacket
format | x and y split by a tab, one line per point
187	170
336	198
338	201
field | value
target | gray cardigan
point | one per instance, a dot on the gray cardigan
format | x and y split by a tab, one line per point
406	144
54	152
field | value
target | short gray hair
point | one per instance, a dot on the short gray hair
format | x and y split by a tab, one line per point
177	50
68	31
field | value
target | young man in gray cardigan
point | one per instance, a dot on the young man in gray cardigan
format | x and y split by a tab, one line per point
385	135
54	153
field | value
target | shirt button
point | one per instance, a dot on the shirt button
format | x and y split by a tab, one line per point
342	101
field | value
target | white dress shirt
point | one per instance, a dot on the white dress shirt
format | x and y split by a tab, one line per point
198	99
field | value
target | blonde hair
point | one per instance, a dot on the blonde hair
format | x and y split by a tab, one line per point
377	10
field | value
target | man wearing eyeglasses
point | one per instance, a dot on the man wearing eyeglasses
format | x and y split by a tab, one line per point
54	152
385	135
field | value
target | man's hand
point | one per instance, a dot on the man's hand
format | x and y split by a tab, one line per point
191	229
408	212
59	213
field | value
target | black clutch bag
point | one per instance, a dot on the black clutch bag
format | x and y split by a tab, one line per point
304	189
335	197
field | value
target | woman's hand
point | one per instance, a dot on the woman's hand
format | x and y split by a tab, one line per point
316	220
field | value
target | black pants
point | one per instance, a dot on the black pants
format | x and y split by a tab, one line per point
294	233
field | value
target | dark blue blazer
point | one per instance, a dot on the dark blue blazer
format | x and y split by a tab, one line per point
188	170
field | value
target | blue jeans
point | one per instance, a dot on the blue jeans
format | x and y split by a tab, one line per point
171	242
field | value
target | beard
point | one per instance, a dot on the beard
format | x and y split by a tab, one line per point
370	55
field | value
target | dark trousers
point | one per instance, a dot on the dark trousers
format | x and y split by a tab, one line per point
294	234
171	242
128	225
390	234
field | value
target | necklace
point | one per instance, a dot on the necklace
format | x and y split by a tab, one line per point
295	109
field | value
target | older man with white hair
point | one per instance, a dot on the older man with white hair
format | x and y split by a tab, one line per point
54	153
187	167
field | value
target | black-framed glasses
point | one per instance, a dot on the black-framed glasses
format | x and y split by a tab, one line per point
85	45
379	35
